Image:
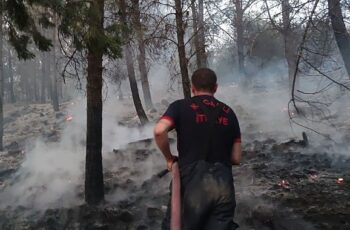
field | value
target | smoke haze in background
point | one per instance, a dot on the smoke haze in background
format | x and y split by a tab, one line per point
52	174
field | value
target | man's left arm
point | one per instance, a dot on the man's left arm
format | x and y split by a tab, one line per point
162	140
236	152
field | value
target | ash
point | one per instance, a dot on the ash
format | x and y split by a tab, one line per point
281	184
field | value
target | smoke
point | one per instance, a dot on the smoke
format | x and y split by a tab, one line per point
261	107
52	174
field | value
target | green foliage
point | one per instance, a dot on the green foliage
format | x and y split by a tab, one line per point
45	22
79	24
22	27
23	18
20	43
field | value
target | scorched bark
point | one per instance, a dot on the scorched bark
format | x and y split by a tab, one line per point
94	188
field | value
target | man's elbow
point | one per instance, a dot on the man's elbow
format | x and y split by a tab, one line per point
236	161
236	156
158	131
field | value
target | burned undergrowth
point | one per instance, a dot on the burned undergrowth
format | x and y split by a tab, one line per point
293	188
281	184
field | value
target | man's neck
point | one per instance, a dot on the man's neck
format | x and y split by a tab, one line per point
203	94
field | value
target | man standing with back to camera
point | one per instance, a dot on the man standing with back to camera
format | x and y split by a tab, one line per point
209	143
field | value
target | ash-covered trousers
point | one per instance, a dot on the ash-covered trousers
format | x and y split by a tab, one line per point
208	197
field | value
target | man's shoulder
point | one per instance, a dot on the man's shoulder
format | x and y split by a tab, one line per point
178	102
223	104
186	101
228	109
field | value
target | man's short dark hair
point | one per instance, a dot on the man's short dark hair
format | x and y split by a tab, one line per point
204	79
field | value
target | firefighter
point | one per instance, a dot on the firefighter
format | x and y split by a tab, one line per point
209	143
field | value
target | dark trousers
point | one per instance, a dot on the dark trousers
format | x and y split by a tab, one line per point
208	197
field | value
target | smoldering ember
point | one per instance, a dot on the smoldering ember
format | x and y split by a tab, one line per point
94	92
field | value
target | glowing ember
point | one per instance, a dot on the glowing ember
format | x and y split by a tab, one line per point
340	180
283	184
313	176
69	118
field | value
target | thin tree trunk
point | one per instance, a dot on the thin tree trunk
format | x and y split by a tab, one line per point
1	82
239	35
11	80
290	43
54	95
43	78
120	92
30	78
35	82
201	35
180	29
131	71
60	90
133	85
142	55
49	75
195	31
94	187
24	83
341	35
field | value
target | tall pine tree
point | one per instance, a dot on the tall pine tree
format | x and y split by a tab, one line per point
83	24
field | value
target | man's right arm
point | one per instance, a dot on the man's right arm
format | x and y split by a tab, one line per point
163	126
162	140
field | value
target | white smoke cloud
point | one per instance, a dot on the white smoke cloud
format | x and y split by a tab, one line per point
52	174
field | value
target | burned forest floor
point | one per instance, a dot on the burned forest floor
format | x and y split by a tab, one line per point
280	185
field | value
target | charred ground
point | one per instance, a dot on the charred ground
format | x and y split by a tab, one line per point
280	185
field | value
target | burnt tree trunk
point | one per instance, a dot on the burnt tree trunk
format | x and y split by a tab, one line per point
11	80
238	23
133	85
201	35
130	67
35	83
142	53
54	92
290	43
48	61
180	30
94	187
1	82
341	35
43	77
195	31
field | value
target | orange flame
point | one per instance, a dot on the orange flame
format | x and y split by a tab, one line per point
340	180
69	118
283	184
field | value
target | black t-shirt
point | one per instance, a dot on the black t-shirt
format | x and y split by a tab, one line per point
192	130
